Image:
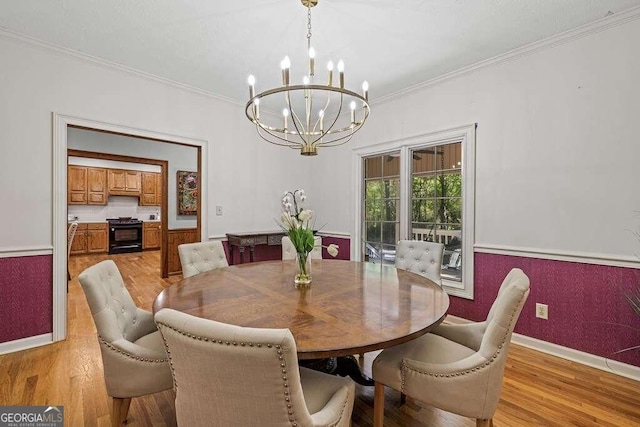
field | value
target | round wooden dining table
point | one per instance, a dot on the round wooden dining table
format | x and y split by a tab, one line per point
349	308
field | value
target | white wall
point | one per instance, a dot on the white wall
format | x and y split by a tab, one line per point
246	175
557	146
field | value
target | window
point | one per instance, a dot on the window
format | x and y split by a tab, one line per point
381	222
436	202
420	188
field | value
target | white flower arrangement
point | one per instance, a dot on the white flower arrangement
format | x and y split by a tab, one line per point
299	222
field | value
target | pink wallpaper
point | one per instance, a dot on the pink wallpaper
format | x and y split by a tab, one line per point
587	310
26	296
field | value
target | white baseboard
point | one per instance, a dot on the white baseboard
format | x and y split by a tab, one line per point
598	362
26	343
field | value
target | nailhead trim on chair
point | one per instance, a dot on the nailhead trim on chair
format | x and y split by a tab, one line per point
258	345
117	350
405	368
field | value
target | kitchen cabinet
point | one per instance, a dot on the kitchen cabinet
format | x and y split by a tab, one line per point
151	235
79	244
90	238
97	238
124	182
86	185
77	185
151	194
96	186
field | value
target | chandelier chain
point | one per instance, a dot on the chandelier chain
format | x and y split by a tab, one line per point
308	27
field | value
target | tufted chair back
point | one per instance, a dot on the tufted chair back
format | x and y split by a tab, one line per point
71	232
289	251
457	367
133	355
227	375
199	257
424	258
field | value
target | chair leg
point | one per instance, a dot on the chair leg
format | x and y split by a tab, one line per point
378	405
484	423
119	411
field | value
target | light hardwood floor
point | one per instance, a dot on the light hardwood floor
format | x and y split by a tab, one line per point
539	390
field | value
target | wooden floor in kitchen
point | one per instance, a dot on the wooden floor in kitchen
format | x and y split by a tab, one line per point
539	390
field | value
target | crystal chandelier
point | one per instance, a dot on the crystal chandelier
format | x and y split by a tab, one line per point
313	115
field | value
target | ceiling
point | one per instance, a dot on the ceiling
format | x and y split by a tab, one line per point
214	45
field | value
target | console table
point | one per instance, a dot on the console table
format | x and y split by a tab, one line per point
251	239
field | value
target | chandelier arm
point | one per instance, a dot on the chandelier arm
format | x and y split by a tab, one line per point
294	117
337	116
335	143
285	143
346	138
326	108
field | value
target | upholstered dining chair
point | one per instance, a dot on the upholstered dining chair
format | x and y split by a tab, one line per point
71	232
457	368
133	354
424	258
289	251
228	375
199	257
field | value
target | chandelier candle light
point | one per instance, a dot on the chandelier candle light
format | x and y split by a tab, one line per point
303	125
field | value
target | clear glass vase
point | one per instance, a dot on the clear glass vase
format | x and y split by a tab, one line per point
303	273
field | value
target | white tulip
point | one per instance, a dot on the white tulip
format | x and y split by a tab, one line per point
303	198
332	250
305	215
285	194
285	218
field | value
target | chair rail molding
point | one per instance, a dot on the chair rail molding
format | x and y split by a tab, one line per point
14	252
59	179
613	260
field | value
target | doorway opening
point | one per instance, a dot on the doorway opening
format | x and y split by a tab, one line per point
171	229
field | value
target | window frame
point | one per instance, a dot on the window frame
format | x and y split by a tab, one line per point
466	135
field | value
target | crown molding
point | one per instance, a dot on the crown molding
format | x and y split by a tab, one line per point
585	30
52	47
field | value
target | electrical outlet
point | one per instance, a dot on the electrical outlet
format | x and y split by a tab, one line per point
219	210
542	311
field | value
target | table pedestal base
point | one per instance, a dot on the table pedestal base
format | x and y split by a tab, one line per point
343	366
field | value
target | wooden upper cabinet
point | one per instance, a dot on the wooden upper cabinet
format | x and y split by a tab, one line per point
86	185
77	185
124	182
97	186
151	194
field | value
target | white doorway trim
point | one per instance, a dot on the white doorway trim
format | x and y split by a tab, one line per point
60	124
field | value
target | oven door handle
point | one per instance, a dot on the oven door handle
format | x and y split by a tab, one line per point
125	227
